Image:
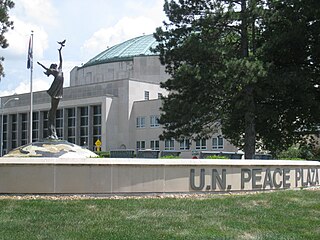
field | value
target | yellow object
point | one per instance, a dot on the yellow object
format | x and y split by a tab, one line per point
98	145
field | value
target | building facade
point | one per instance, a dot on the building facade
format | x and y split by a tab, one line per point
114	97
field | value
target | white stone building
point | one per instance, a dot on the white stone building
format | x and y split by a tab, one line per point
114	97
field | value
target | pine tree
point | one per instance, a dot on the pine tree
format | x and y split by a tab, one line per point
221	56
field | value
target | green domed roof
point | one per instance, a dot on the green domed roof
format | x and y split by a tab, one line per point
139	46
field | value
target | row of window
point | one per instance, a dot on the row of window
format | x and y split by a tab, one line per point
147	95
200	144
154	121
76	125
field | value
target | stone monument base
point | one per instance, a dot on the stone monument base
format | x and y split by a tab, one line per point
136	176
51	149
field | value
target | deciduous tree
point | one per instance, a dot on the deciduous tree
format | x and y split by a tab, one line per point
5	25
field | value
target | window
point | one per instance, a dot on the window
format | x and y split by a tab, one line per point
71	116
59	123
146	95
201	144
84	125
45	124
14	130
24	129
96	123
159	95
169	144
141	122
4	135
185	144
35	126
141	145
217	142
154	121
154	144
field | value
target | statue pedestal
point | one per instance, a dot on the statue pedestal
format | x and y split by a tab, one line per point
51	149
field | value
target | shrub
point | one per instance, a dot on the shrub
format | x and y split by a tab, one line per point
316	154
296	153
297	159
170	157
103	154
216	157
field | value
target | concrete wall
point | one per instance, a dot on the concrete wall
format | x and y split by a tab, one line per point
130	91
115	97
101	73
149	69
145	109
151	108
144	69
108	176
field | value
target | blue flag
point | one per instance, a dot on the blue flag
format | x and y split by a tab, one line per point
30	54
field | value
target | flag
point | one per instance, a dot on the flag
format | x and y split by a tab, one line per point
30	54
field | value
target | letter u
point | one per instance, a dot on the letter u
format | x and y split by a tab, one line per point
202	178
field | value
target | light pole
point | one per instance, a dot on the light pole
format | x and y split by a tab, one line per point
1	132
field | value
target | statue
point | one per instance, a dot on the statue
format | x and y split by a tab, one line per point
55	92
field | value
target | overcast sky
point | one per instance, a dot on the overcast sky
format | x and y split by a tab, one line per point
89	26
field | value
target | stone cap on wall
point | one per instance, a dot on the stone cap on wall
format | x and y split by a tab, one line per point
155	162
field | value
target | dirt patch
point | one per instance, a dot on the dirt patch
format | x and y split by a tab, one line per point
135	196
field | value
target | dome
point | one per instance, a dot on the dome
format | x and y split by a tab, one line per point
139	46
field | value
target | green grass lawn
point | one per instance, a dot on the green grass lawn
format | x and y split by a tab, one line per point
276	215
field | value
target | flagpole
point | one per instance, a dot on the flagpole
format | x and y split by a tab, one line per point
31	93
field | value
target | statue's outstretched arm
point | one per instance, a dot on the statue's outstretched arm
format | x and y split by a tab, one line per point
62	44
60	58
42	66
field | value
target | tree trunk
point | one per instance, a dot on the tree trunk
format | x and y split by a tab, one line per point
250	132
244	30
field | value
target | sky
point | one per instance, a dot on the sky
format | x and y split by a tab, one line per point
89	26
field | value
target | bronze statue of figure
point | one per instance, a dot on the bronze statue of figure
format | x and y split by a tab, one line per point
55	92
